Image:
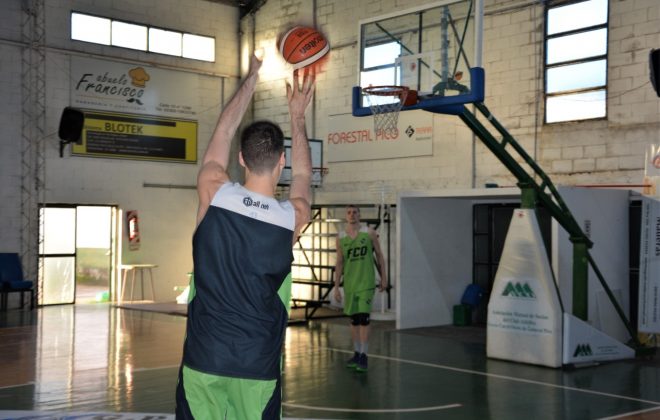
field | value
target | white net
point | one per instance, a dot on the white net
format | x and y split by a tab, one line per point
385	103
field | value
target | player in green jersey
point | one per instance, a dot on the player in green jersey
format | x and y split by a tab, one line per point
355	262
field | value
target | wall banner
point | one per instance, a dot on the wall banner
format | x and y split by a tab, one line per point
130	136
649	267
352	138
133	88
134	111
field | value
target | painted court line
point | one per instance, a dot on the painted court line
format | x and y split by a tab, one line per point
632	413
372	410
493	375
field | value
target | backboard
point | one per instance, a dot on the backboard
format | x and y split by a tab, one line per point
316	150
432	49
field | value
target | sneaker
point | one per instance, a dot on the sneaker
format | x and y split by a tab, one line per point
361	365
353	361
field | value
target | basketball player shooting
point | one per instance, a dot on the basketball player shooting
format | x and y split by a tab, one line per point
242	253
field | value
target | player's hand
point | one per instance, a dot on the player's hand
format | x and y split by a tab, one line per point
337	294
255	64
300	95
381	286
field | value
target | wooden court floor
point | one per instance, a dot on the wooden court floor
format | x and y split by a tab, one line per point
97	358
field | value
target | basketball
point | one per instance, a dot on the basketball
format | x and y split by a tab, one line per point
303	46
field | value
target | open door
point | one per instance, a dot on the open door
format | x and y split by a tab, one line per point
57	255
77	263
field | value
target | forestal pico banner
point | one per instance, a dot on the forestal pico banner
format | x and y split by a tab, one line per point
351	138
134	111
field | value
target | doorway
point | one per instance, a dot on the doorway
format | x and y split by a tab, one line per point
77	253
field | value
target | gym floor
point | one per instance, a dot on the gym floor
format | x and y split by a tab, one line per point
95	358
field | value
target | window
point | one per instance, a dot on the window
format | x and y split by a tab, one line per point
127	35
576	60
198	47
90	29
100	30
164	42
379	68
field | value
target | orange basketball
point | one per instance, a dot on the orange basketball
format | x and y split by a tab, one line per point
302	46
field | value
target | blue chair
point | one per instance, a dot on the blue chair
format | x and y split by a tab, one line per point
12	281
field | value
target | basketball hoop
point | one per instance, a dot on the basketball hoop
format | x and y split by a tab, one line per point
320	171
385	103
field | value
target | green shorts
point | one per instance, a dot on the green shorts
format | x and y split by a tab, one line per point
358	302
222	397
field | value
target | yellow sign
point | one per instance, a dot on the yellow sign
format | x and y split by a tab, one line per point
131	136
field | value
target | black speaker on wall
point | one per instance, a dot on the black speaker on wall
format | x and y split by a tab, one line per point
654	63
71	125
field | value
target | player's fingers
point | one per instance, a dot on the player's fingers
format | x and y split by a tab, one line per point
310	81
296	83
309	93
289	91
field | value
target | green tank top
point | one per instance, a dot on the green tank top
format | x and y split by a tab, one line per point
358	255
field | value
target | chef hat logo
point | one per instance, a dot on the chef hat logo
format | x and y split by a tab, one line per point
139	77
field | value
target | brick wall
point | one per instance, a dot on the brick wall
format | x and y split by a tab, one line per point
167	216
602	151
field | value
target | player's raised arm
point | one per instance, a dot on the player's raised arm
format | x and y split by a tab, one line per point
299	96
213	172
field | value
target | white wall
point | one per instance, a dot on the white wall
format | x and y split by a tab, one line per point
10	127
436	256
434	251
167	216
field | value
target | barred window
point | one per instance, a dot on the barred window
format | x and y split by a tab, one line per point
576	60
106	31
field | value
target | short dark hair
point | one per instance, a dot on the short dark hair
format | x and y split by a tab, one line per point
262	144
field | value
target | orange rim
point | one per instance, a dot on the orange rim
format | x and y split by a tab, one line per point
385	90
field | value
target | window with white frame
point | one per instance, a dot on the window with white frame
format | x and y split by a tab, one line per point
576	60
379	68
106	31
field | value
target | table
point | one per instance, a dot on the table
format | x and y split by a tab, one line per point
133	268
